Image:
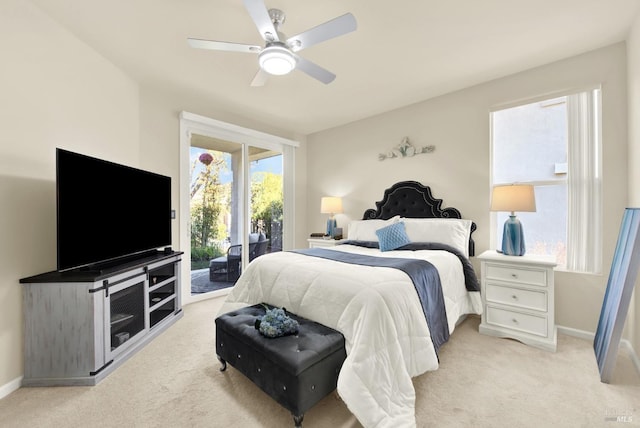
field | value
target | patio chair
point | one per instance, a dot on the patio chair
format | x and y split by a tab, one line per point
230	265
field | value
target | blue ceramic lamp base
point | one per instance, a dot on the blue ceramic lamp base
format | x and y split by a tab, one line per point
513	237
331	227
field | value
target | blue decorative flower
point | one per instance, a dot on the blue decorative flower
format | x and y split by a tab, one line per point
275	323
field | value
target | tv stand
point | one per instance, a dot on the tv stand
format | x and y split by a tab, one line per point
80	325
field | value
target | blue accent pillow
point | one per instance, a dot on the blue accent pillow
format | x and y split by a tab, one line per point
392	237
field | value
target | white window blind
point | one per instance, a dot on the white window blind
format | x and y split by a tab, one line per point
584	216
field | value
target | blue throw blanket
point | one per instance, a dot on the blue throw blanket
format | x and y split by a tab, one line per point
470	278
425	280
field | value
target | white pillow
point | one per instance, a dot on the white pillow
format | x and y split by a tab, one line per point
365	230
449	231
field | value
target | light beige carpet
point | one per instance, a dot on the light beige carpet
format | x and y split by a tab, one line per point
482	382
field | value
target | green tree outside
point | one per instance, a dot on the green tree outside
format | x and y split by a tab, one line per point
211	202
207	205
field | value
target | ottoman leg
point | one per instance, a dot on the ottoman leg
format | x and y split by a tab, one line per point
223	362
297	420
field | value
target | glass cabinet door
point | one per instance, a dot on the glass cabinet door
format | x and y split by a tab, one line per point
125	320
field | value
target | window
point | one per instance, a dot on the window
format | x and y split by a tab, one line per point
554	145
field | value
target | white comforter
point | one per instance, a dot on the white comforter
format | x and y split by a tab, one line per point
376	309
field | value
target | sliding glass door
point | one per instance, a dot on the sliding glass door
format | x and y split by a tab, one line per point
214	214
234	208
266	199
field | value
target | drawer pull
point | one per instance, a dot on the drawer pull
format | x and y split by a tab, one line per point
515	321
514	297
514	275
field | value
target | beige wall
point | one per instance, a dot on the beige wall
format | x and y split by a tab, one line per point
345	159
633	59
55	92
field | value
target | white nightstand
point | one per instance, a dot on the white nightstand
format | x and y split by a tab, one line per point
517	298
323	243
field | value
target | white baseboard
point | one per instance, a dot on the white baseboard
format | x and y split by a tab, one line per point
626	345
587	335
574	332
8	388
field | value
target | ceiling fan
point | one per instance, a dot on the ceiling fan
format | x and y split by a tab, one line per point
278	56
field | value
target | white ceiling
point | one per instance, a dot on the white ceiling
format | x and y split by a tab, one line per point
402	52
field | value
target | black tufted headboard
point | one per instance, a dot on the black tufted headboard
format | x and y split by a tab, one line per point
413	200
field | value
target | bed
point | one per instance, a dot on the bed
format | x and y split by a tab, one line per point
391	333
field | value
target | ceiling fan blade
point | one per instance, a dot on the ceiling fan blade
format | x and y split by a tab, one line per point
314	70
336	27
223	46
260	15
260	78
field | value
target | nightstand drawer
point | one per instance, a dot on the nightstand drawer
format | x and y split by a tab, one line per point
519	275
529	299
517	321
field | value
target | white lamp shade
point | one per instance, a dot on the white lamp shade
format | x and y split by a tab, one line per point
513	197
330	205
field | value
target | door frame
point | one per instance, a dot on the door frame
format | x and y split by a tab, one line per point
191	123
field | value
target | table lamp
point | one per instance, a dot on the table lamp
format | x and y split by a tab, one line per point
513	197
331	205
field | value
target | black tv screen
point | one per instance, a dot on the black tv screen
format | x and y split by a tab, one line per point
107	211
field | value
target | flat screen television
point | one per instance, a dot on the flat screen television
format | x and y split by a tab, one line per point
107	211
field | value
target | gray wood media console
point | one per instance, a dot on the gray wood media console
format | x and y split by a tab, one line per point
80	325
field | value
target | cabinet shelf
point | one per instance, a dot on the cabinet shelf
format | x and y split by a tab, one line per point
158	315
162	302
120	320
158	297
168	280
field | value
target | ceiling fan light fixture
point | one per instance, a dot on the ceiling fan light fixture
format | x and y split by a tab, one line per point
277	60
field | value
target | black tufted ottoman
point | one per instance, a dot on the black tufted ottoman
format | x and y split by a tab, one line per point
296	371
